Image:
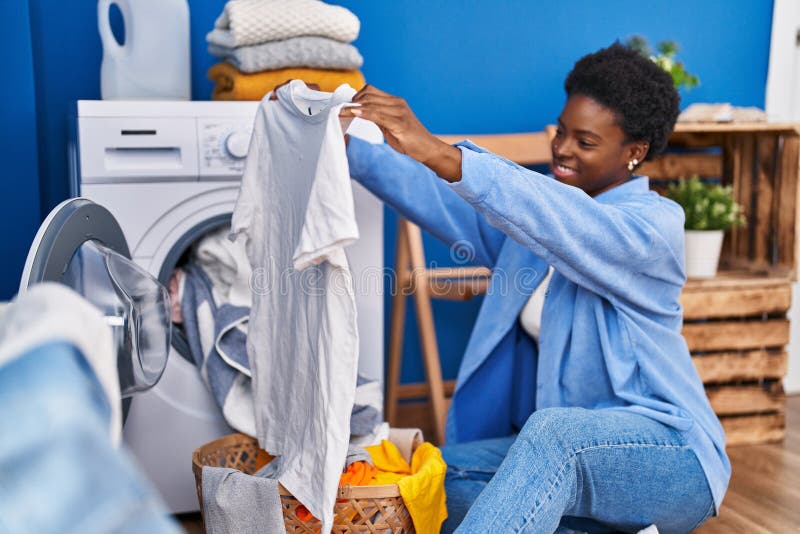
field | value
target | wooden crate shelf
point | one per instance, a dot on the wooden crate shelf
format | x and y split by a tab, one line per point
736	324
741	366
736	335
736	294
750	429
747	399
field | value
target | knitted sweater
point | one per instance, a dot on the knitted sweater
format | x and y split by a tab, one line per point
247	22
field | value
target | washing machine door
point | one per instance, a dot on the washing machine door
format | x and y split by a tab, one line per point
81	245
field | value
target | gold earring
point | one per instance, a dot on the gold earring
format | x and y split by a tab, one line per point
632	164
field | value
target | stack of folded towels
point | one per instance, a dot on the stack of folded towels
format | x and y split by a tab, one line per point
266	42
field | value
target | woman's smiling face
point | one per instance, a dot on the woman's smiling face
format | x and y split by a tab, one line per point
590	149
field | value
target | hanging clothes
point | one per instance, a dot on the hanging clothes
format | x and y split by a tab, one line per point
295	211
213	294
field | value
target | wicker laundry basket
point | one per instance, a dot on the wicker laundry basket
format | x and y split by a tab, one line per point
358	509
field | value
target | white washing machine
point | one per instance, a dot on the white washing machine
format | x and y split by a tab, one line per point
169	172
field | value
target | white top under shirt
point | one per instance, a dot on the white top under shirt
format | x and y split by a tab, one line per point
531	315
295	208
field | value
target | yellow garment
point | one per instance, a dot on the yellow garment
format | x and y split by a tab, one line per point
421	485
232	84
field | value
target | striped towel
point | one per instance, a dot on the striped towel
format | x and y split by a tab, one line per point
217	336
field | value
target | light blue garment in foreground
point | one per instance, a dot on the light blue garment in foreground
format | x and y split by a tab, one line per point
611	323
58	470
565	467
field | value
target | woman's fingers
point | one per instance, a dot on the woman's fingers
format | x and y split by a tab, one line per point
380	107
384	116
401	128
380	100
377	109
369	90
381	117
348	113
361	91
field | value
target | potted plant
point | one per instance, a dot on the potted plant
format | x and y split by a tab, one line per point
710	210
666	58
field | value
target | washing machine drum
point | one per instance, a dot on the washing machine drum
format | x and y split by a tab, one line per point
81	245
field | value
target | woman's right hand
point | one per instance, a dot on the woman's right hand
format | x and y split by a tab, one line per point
405	133
401	128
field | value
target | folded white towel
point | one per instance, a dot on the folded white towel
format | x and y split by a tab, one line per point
248	22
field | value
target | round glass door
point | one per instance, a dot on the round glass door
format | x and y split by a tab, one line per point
136	307
81	245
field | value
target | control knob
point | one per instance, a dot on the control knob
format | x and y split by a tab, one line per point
236	144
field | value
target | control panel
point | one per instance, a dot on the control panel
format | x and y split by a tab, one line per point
223	144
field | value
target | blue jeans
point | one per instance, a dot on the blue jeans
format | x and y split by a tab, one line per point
572	469
58	469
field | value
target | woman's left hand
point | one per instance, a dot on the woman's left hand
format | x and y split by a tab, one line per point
404	132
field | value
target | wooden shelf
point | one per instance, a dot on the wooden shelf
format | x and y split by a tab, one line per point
735	127
739	278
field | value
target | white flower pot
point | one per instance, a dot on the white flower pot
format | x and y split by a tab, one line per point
702	252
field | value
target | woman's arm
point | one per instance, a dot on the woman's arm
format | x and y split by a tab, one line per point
614	249
404	133
420	196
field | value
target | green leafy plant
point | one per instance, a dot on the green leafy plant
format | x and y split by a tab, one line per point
666	59
707	206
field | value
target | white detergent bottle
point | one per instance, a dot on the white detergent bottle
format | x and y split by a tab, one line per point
154	60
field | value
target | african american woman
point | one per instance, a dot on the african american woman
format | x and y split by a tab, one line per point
577	406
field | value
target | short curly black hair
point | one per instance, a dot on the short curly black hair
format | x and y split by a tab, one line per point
637	90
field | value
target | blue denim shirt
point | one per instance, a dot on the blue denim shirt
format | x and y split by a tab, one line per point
611	323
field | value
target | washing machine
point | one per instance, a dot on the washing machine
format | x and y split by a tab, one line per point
168	173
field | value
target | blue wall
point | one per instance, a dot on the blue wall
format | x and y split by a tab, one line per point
465	66
498	66
19	185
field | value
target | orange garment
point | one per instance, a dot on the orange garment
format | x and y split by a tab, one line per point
232	84
356	474
262	459
421	484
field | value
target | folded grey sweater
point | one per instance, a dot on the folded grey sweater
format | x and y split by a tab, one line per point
308	51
